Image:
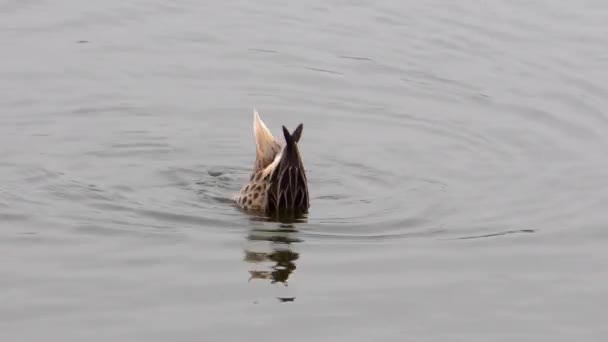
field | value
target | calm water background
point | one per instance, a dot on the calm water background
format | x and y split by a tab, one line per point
456	152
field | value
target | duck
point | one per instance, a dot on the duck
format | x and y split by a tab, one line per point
278	182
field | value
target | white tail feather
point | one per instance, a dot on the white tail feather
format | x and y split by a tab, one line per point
266	145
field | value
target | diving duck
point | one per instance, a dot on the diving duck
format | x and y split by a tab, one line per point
278	181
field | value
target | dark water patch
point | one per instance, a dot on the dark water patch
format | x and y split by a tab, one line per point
8	217
325	71
175	218
136	145
131	152
497	234
98	110
371	237
263	50
356	58
112	207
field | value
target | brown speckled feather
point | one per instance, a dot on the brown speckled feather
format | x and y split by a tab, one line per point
278	180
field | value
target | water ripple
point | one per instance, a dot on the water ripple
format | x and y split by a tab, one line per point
447	143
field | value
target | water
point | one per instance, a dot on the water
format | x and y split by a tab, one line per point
455	152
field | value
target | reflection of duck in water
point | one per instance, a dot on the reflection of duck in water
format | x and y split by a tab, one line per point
278	182
283	259
279	254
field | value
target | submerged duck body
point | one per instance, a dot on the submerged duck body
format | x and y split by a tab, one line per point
278	180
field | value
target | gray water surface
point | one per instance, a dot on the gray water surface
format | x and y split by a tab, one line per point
456	153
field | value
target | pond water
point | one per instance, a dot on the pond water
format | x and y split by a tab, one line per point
456	154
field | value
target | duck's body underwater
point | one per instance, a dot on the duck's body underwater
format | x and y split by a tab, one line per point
278	181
